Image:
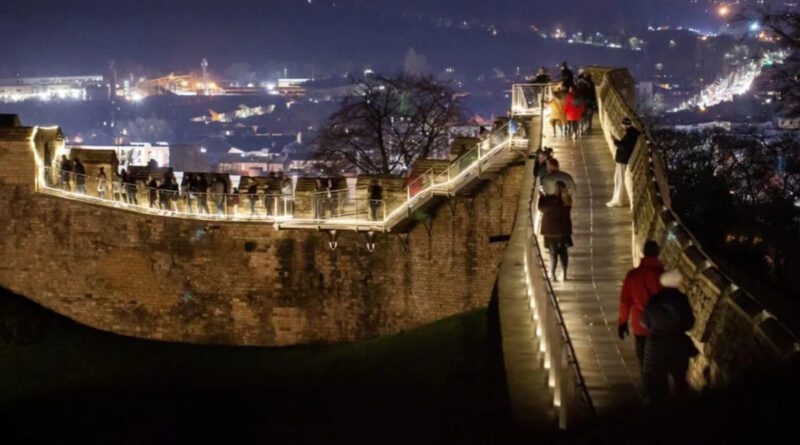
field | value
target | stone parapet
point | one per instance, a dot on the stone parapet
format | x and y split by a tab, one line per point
732	330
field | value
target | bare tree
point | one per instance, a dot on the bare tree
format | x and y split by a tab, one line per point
390	122
737	191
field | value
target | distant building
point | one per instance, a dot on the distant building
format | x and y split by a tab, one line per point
257	163
292	87
48	88
137	153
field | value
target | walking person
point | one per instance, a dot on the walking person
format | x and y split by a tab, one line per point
218	191
556	227
66	173
271	192
164	194
252	195
375	199
235	199
80	176
175	194
640	284
202	194
588	93
542	78
573	109
187	192
101	183
567	76
152	191
129	183
668	316
116	187
331	201
558	117
288	196
625	147
540	164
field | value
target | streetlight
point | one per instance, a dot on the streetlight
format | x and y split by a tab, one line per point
724	10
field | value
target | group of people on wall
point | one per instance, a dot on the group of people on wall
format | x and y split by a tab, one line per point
572	101
652	306
272	196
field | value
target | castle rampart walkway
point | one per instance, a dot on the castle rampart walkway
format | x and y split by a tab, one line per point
563	357
589	298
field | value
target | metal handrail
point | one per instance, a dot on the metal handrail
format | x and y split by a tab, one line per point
551	295
290	202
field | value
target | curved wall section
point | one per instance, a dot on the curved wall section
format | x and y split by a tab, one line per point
243	283
735	331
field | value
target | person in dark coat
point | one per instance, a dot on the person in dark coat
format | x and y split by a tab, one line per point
375	199
235	199
66	172
668	315
567	77
640	284
252	195
152	192
202	195
272	193
542	76
218	186
80	176
556	227
588	94
540	163
625	147
164	194
131	190
175	193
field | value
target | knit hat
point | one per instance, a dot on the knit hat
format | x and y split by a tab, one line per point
626	121
671	278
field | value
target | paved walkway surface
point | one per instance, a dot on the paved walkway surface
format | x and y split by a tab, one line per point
589	298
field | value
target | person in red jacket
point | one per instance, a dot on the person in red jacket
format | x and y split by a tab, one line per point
640	284
573	108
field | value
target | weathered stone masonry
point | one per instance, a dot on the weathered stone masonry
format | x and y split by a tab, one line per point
243	283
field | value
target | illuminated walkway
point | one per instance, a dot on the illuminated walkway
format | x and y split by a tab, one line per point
589	299
337	209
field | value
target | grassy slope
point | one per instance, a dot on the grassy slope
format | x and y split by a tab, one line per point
440	383
441	380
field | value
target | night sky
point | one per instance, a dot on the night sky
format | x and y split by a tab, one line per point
44	37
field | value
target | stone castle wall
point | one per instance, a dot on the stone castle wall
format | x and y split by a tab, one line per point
242	283
734	331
